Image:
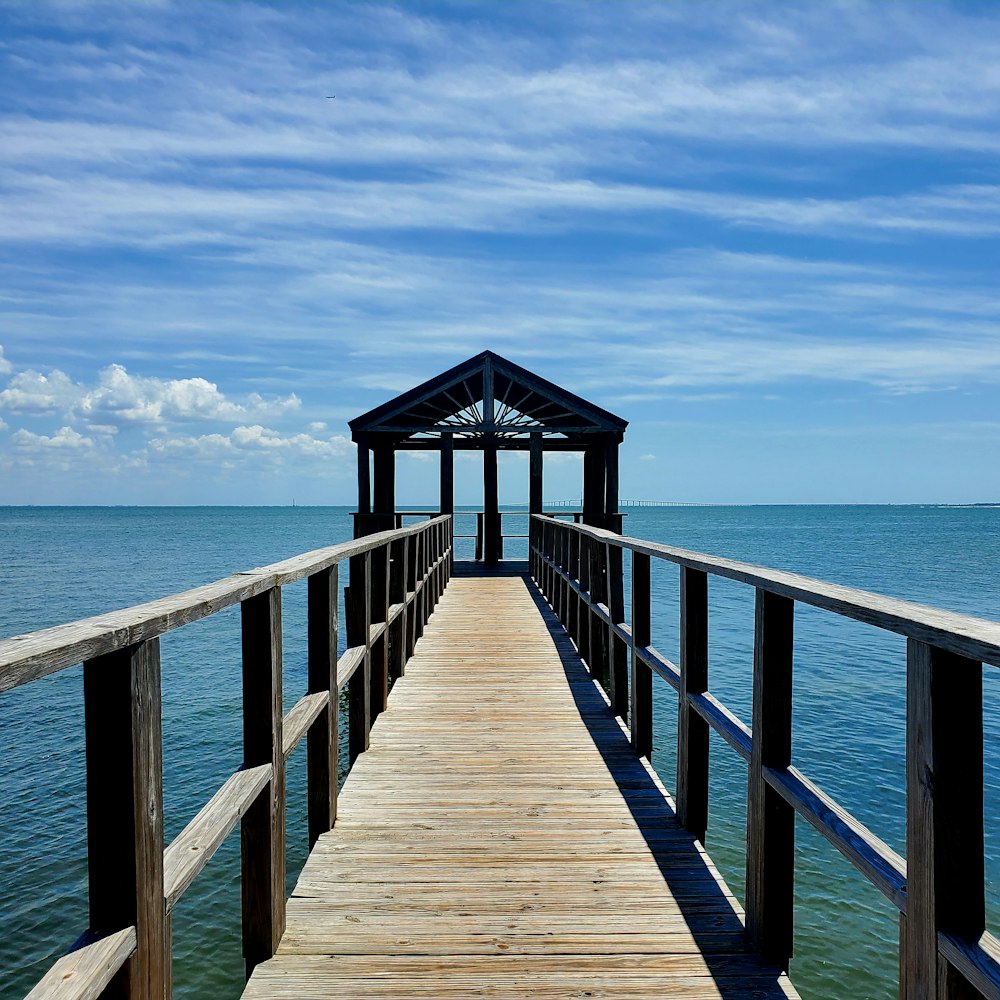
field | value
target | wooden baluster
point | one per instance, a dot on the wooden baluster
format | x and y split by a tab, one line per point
618	649
641	716
359	617
565	593
411	586
770	819
944	816
692	729
597	638
397	595
125	811
573	566
583	612
322	739
263	825
379	652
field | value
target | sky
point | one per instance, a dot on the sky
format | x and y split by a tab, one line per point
766	234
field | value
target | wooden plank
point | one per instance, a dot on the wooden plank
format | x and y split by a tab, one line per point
692	729
944	815
322	743
194	846
502	839
84	973
124	749
770	819
262	830
300	719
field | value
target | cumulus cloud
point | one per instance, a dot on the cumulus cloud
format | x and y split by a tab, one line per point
5	366
119	398
250	442
64	439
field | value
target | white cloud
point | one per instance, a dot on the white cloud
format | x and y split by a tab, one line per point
648	457
5	366
252	442
65	439
119	399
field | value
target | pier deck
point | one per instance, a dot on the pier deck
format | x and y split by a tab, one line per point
500	838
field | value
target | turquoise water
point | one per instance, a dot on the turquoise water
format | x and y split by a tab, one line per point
64	563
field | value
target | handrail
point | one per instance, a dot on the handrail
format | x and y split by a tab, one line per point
396	579
945	950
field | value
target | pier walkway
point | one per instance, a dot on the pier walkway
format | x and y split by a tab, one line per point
501	838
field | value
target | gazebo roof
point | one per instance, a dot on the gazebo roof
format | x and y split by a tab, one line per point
487	395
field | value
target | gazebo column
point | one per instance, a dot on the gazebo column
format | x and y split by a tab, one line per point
614	521
385	487
362	521
535	474
446	502
491	502
594	462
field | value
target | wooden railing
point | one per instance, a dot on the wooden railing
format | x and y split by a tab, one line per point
945	950
396	578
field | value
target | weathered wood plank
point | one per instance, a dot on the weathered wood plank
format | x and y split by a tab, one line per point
692	729
323	741
194	846
84	973
501	838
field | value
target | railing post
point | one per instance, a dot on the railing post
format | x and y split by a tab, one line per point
641	716
410	588
617	648
479	535
359	618
572	598
323	738
770	819
263	825
583	614
125	811
562	558
379	652
944	817
692	729
397	595
597	638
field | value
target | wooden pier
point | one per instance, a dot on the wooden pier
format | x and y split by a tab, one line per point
501	832
500	838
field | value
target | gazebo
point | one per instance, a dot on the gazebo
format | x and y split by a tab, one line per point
487	404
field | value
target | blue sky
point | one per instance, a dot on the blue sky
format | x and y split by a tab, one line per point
766	234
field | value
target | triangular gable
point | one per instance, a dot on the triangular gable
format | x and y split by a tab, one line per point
453	401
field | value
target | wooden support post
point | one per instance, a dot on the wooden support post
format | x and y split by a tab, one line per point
594	459
446	502
322	739
491	502
944	816
359	617
263	826
617	648
611	484
535	461
364	476
385	487
583	612
573	568
641	716
125	811
379	653
692	729
770	819
397	595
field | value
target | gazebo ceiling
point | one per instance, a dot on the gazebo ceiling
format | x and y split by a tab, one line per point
487	396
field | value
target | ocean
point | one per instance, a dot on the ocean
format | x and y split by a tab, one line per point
62	563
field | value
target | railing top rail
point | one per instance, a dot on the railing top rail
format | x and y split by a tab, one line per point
27	657
975	638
